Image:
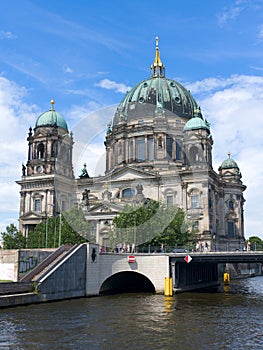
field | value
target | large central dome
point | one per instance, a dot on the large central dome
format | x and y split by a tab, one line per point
156	95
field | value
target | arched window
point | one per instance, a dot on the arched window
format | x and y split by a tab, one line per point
150	148
160	142
37	205
54	149
140	149
40	150
178	150
169	200
193	155
128	193
231	205
194	199
230	229
169	147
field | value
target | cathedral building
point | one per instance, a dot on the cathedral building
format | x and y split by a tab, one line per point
158	146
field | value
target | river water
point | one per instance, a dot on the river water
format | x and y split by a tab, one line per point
231	318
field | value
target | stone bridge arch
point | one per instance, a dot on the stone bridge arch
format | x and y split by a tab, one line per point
126	282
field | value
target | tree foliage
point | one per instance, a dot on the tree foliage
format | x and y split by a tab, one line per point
256	243
12	238
70	228
150	223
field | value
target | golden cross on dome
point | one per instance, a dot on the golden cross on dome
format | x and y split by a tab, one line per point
156	41
157	61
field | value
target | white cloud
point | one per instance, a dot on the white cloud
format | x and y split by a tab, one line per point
67	69
6	35
234	107
112	85
232	11
15	116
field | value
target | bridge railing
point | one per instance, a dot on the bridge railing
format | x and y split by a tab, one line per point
222	247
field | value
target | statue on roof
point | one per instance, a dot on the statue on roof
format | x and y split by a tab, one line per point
23	170
84	172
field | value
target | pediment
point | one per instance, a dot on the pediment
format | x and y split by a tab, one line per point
32	215
128	173
105	207
39	134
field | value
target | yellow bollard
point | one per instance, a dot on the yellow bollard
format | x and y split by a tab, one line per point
226	278
168	286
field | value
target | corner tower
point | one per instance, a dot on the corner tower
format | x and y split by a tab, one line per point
48	174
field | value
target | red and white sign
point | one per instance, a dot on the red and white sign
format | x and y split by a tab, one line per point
188	258
131	258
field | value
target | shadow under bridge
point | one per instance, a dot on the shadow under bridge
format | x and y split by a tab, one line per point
126	282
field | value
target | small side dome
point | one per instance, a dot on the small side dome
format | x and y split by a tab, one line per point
229	163
197	122
51	118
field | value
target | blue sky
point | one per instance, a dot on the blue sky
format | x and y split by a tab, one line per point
87	54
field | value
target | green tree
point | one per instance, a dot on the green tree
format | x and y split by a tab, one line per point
12	238
150	223
256	243
70	228
176	232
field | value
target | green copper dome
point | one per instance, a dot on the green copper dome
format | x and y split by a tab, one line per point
157	95
229	163
197	123
51	118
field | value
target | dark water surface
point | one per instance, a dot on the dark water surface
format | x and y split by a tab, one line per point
230	319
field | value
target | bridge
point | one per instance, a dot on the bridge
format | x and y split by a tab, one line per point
84	271
95	273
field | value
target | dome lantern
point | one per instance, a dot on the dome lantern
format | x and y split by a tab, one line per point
155	96
157	68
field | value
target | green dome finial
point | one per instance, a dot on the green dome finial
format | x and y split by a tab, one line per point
52	102
51	118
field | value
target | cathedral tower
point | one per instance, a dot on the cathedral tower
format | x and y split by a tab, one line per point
48	174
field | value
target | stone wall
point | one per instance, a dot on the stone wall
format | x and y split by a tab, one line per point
67	279
16	263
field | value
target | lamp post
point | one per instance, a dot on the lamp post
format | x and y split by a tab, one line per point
52	205
46	230
59	235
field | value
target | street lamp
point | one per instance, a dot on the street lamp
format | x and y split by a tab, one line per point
52	205
59	236
46	230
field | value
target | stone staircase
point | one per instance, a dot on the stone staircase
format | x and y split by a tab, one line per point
50	262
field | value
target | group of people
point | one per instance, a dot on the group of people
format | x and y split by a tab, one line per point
124	248
200	247
120	248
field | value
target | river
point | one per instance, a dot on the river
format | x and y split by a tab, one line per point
231	318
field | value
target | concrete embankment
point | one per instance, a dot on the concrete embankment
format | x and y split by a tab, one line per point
19	299
62	279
